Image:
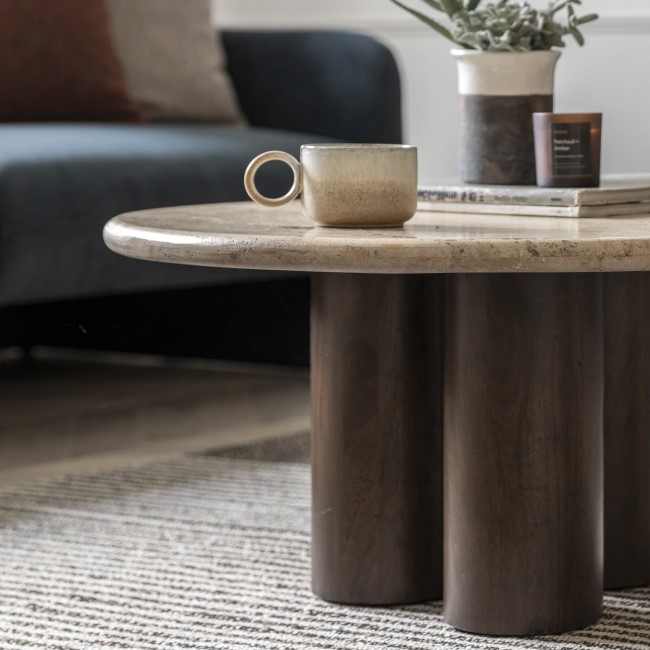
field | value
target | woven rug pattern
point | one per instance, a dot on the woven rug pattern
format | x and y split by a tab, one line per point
204	552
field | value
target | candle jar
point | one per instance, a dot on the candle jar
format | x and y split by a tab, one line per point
567	149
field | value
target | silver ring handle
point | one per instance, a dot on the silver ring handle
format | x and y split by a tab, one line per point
256	163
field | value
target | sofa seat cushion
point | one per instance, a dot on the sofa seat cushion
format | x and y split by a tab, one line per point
59	184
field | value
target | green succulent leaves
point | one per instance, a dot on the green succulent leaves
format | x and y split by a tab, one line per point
504	25
429	21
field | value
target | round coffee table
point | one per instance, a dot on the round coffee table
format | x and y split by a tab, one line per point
497	322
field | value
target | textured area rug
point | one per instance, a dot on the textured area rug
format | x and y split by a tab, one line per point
204	552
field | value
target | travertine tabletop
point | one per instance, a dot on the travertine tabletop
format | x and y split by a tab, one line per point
245	235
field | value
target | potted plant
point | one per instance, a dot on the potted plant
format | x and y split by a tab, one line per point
506	63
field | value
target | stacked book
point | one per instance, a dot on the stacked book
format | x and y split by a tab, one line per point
618	195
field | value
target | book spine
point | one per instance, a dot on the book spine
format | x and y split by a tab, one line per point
519	210
474	195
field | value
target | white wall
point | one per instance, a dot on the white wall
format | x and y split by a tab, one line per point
611	74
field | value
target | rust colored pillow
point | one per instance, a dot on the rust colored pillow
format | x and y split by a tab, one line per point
57	63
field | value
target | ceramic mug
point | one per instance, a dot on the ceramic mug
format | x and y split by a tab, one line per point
347	185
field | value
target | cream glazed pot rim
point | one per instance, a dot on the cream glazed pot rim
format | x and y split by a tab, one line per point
505	73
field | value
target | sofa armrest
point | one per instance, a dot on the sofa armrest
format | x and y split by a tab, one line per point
337	84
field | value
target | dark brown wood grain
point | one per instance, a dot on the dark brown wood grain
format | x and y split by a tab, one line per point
627	429
523	453
376	438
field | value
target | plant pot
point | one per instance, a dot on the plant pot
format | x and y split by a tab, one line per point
499	92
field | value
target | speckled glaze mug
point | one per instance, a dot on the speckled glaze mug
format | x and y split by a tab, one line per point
347	185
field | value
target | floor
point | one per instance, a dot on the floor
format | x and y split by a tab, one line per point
63	411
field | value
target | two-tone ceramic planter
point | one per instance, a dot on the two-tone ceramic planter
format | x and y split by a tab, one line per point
499	92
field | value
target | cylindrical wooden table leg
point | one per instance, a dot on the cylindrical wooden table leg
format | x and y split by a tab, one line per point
377	438
627	429
523	453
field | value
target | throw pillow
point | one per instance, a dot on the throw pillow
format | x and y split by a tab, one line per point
172	59
57	63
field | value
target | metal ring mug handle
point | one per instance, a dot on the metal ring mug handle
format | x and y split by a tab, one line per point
256	163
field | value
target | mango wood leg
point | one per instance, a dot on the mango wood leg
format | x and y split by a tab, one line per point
627	429
376	438
523	453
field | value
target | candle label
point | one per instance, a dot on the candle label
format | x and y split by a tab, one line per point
571	149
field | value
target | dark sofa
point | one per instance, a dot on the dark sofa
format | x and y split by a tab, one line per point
59	184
